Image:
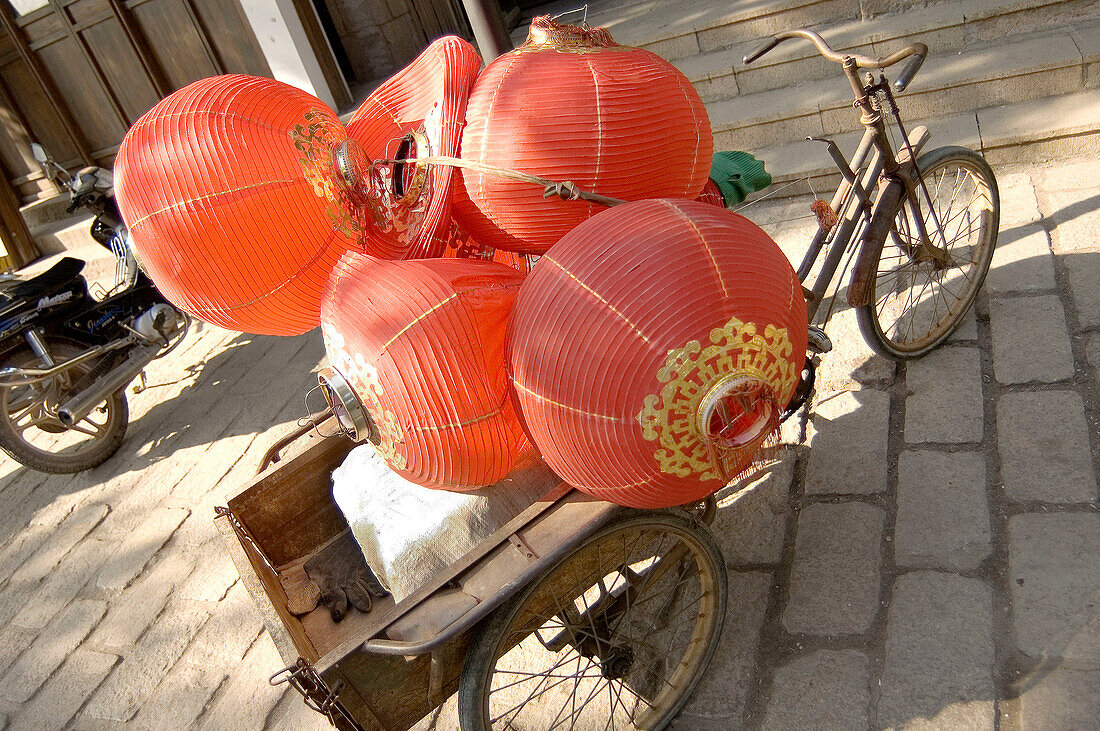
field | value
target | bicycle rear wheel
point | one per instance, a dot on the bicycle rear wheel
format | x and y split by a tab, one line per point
617	635
921	293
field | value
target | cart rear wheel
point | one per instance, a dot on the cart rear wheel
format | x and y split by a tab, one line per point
616	635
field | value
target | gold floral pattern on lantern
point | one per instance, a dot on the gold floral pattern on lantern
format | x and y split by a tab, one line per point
689	374
314	138
363	378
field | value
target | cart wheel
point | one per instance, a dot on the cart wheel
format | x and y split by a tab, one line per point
616	635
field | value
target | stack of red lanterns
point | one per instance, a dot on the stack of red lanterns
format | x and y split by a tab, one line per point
647	356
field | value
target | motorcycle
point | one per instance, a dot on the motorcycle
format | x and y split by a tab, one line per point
66	356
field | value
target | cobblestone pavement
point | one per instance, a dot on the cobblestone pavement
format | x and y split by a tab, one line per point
922	554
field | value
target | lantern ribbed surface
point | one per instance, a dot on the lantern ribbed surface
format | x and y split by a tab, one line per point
430	94
228	188
639	333
422	343
570	104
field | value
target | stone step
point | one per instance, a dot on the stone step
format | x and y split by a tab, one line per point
1061	61
57	236
943	27
1032	131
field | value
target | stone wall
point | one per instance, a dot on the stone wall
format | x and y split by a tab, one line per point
379	36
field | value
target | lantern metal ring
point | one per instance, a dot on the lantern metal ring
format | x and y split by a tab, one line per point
346	406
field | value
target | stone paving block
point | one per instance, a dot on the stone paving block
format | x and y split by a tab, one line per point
213	575
1018	202
63	584
246	699
851	363
13	642
292	714
133	611
137	549
132	502
827	689
943	511
1022	261
198	529
135	680
12	599
1084	286
181	698
70	532
1030	340
1092	353
21	546
213	466
1058	698
751	523
233	627
835	579
63	695
63	635
1043	439
938	671
720	695
967	330
944	400
1053	561
1067	196
848	443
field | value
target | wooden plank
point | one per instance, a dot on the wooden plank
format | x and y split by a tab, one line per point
275	622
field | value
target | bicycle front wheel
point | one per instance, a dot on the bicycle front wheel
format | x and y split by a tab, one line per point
921	292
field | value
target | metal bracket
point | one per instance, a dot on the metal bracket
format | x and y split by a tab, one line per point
520	545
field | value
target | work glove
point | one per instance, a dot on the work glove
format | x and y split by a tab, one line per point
343	576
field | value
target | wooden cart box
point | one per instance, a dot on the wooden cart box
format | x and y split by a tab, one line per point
390	667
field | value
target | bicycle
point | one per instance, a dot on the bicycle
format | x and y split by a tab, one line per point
928	236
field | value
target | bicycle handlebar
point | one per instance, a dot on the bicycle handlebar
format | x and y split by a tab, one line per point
919	50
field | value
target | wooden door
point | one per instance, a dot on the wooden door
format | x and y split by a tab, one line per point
75	74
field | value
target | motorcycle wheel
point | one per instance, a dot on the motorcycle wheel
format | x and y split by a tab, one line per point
30	430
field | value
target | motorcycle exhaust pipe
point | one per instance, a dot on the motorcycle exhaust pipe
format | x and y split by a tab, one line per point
79	406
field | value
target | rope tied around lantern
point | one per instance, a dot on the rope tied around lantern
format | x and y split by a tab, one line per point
566	190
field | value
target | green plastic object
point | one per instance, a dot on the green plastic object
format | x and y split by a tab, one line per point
737	174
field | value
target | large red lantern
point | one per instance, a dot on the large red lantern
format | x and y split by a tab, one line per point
654	348
571	104
234	203
420	111
422	344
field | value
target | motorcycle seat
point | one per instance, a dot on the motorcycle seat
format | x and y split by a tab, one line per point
53	278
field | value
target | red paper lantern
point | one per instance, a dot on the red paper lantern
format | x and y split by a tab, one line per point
428	96
571	104
711	194
234	204
422	343
654	348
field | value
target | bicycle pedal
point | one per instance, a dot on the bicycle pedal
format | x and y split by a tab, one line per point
818	341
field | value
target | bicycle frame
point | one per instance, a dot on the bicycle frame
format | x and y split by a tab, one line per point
873	159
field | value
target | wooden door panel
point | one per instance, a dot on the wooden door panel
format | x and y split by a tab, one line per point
86	11
231	37
175	41
33	107
117	61
80	87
